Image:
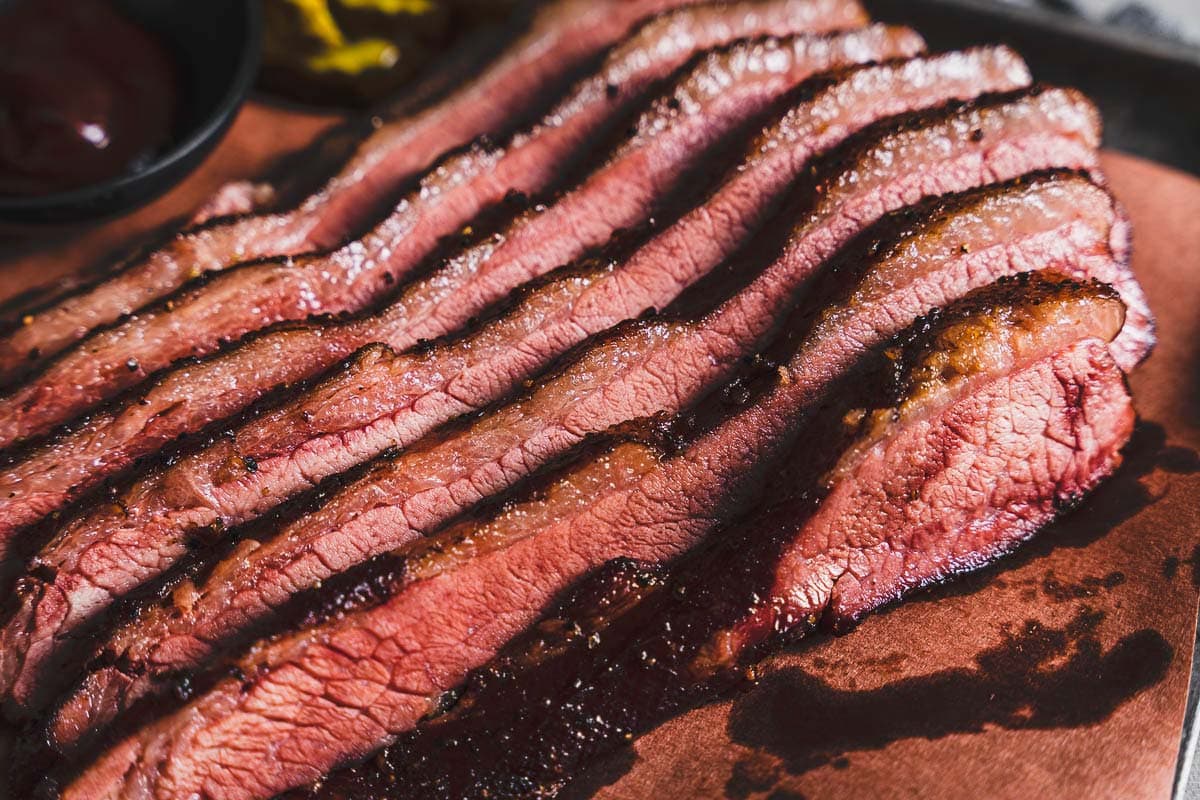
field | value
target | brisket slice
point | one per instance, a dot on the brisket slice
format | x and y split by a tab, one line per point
199	318
651	368
1003	411
562	37
1032	331
720	93
370	669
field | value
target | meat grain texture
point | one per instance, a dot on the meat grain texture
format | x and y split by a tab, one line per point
198	319
832	320
620	380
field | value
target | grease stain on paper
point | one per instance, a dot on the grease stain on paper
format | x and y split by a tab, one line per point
1037	678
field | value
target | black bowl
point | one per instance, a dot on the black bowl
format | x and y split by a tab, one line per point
216	46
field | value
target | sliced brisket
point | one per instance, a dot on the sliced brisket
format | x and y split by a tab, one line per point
347	423
562	37
615	381
724	90
199	318
446	604
1015	384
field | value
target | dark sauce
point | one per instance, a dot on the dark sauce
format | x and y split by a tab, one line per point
85	96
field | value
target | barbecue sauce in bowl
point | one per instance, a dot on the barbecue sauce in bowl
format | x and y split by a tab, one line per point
85	96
